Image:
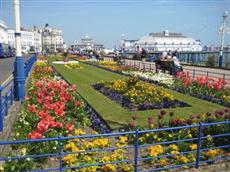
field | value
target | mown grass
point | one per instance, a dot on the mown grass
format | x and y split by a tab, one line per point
115	115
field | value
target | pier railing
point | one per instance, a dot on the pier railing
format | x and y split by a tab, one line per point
135	148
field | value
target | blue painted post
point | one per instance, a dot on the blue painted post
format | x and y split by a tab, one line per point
19	75
6	103
199	145
11	96
136	151
60	153
1	114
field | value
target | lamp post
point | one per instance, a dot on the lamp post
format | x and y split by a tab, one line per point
19	66
223	30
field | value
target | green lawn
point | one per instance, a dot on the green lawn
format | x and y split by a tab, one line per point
113	113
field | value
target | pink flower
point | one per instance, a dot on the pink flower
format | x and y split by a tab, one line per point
77	103
31	108
69	127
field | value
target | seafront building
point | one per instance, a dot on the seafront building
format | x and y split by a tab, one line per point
52	39
164	41
87	43
29	38
47	39
3	32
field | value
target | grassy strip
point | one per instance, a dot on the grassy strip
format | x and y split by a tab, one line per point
114	114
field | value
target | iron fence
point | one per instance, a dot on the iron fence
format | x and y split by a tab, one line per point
7	93
6	99
135	155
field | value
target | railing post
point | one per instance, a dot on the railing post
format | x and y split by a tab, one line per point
207	73
199	145
1	114
11	96
6	104
194	73
60	153
136	151
223	76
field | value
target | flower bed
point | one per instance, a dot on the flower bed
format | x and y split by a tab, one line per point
73	66
136	95
158	78
203	87
52	108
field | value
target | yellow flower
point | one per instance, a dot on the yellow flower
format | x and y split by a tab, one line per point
94	132
173	147
209	138
162	162
127	168
184	159
69	159
193	146
212	153
87	158
109	167
106	159
174	152
1	167
155	150
23	151
79	132
89	169
123	139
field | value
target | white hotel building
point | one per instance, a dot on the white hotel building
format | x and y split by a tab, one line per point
29	38
52	39
159	42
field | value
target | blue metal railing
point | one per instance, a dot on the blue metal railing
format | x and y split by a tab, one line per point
6	99
7	92
29	64
137	158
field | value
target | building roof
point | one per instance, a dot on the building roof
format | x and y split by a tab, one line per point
166	38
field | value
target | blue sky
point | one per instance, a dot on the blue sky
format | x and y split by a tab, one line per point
106	20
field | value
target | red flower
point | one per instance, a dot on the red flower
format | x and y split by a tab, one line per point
69	127
77	103
31	108
59	125
43	126
59	112
35	135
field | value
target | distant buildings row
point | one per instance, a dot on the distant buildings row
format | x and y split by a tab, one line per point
47	39
51	39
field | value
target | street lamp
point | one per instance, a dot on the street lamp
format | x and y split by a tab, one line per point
19	66
223	30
